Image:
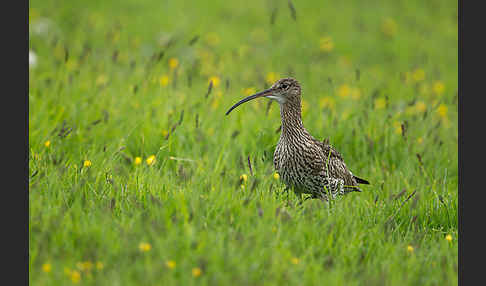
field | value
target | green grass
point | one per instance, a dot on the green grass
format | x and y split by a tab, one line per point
98	78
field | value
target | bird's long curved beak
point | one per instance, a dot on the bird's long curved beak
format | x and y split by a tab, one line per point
264	93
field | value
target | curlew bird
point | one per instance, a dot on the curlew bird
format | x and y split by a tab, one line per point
305	164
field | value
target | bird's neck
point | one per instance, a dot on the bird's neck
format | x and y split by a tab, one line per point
292	126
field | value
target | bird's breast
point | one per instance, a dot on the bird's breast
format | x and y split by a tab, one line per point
290	162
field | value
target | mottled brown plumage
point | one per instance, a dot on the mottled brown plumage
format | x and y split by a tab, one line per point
304	163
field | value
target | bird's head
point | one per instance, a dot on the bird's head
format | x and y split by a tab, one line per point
286	91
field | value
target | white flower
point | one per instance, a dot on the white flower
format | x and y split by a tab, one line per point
32	59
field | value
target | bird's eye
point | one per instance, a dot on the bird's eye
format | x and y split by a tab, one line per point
284	86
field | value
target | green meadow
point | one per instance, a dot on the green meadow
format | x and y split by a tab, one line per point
137	177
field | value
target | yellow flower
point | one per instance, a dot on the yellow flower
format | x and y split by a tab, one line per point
87	163
170	264
196	272
420	140
418	75
442	110
151	160
215	81
448	237
101	80
138	160
212	39
47	143
46	267
215	104
271	77
326	44
295	260
389	27
398	127
327	102
75	276
244	177
144	246
165	132
276	176
173	63
420	106
380	103
84	266
99	265
164	80
242	186
410	248
344	90
438	87
249	91
416	108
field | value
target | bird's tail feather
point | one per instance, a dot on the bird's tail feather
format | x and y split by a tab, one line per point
361	181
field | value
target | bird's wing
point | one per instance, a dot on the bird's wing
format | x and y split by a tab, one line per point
334	165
